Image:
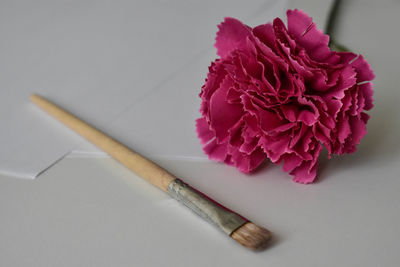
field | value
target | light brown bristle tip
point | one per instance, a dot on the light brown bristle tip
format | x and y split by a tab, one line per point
252	236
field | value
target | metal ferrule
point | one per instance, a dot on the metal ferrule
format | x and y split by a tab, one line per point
221	217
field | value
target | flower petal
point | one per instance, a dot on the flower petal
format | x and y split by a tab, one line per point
203	130
363	69
281	93
222	114
216	151
231	34
302	28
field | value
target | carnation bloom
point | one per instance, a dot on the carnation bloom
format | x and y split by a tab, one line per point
279	92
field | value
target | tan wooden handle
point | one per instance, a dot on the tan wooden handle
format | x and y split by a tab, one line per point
129	158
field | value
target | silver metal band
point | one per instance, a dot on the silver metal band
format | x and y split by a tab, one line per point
222	218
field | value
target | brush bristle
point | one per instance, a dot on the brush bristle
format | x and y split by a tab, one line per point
252	236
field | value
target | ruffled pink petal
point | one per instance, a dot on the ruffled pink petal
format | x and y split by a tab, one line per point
203	131
214	78
343	129
290	112
366	90
232	33
363	69
358	130
222	114
249	147
298	135
265	33
306	172
346	80
269	120
307	117
298	22
291	161
215	151
275	148
334	106
301	27
247	163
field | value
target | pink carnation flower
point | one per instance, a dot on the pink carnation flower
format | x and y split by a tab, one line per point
279	92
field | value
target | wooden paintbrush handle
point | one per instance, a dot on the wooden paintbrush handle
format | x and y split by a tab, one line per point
129	158
246	233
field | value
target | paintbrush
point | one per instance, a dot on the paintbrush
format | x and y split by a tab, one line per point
240	229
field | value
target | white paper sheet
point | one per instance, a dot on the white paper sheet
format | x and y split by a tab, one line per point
102	58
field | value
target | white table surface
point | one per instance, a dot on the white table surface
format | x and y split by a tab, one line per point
93	212
104	60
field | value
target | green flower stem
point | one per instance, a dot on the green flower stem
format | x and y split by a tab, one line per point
330	27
